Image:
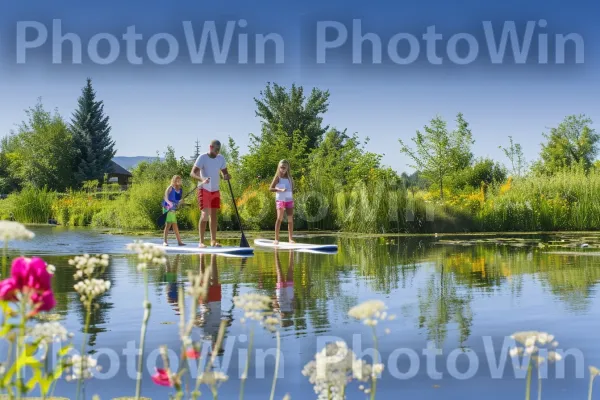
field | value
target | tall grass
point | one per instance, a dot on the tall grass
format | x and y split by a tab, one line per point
567	200
31	205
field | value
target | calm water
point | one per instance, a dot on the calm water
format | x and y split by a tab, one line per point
464	297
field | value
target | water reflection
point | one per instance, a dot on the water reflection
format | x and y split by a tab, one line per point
171	278
440	303
449	293
210	315
284	293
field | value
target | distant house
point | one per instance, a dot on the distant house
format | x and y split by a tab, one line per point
118	174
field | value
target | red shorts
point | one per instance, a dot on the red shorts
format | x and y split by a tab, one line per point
208	199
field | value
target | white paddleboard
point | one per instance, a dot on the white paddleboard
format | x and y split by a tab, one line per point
194	249
296	246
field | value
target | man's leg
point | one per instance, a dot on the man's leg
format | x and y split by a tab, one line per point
203	217
213	226
215	205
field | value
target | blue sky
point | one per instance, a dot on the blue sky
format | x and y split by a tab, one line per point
151	106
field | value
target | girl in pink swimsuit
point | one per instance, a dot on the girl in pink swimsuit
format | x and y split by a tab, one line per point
283	186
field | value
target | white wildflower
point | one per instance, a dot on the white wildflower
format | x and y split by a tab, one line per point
530	340
196	289
213	378
515	351
87	265
81	367
51	269
48	332
257	307
148	254
377	369
531	349
334	367
554	356
370	312
272	322
367	310
10	230
252	302
89	289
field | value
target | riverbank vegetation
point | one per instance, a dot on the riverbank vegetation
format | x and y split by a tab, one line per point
339	185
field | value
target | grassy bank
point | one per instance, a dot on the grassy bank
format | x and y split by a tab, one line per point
565	201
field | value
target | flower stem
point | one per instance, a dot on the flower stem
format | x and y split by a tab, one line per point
528	385
88	314
539	383
147	307
375	362
4	255
22	312
592	376
276	365
245	375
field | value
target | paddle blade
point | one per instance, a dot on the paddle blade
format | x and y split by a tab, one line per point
161	220
243	241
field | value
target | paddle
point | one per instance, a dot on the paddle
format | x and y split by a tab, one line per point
163	217
243	241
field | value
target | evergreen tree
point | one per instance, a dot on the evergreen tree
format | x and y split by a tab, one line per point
196	152
292	113
91	132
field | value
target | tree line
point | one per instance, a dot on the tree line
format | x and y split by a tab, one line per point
47	151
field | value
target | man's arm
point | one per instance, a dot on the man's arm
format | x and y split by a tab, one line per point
196	173
224	171
226	175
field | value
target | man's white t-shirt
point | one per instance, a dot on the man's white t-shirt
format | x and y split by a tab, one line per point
210	168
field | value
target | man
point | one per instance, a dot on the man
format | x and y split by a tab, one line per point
209	165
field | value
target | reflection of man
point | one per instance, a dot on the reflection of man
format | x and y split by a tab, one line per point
209	316
172	286
284	292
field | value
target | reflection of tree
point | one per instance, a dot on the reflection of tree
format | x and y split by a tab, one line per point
62	284
385	262
572	279
440	303
483	268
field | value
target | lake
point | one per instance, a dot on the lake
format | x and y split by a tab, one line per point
464	295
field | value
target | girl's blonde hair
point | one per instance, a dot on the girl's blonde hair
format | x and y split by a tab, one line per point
174	178
288	173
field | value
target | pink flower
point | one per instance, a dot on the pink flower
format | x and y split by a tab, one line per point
161	377
8	288
44	301
32	273
30	276
192	353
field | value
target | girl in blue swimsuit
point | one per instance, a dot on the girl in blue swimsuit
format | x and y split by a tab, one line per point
170	203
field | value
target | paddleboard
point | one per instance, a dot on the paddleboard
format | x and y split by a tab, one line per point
194	249
296	246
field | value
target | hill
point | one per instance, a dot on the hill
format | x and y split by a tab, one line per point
130	162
